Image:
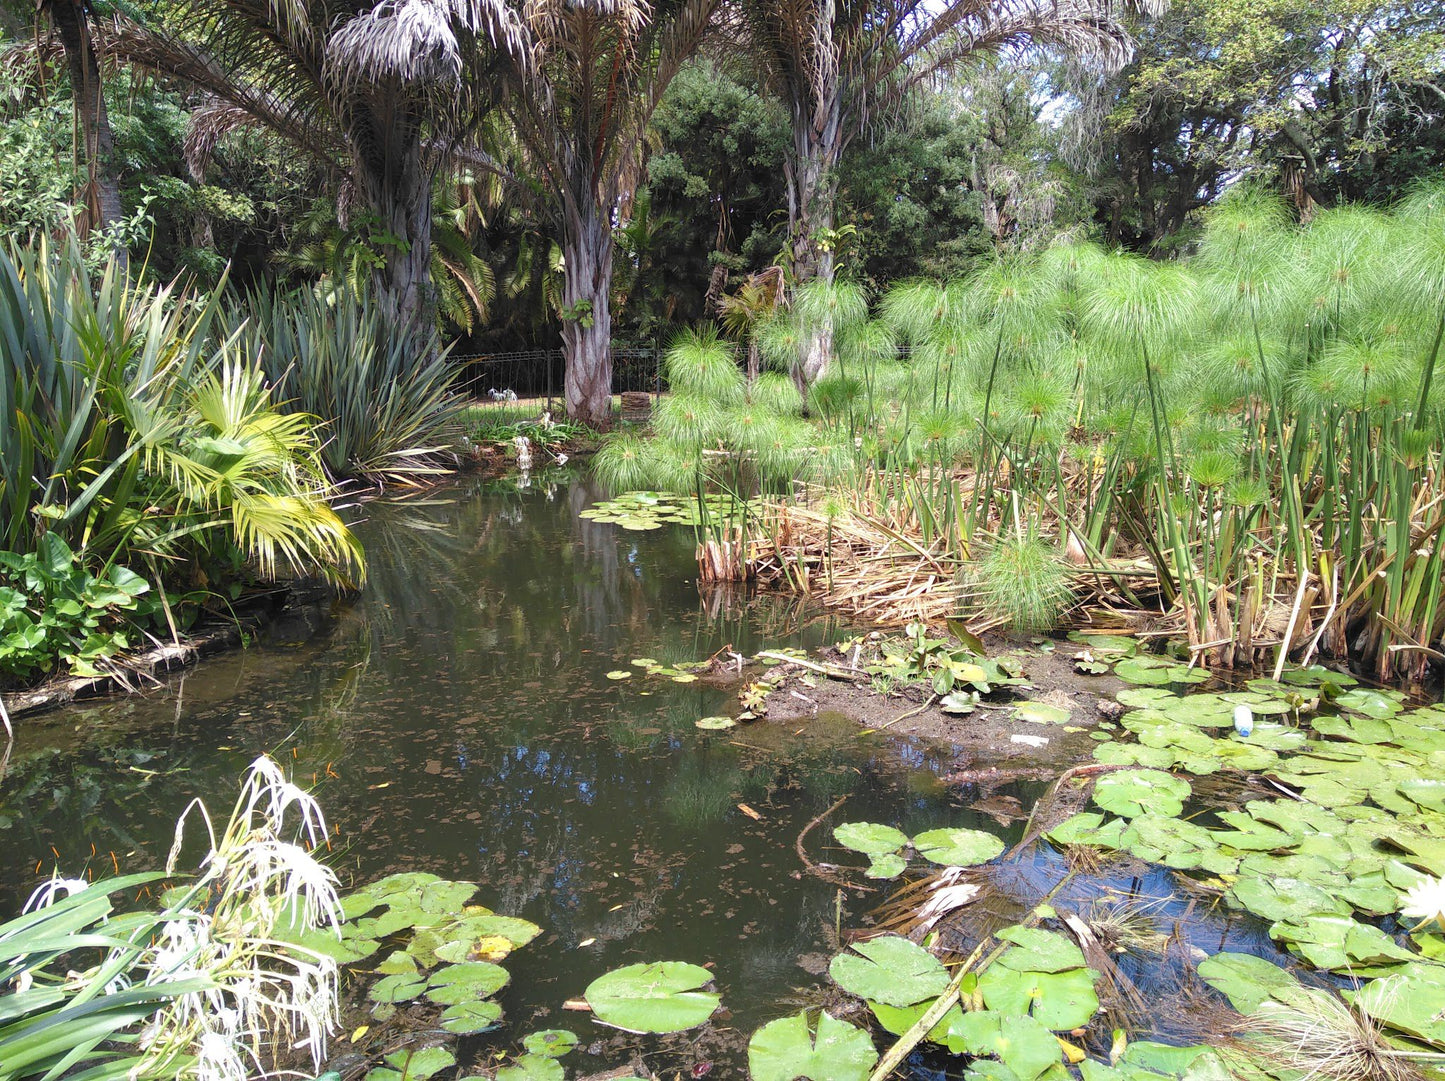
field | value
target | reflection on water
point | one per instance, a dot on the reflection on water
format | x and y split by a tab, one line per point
458	719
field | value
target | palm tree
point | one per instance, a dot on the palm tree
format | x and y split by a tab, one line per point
592	75
744	312
381	95
840	68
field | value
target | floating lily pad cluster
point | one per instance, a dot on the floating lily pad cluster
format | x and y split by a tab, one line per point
681	672
443	953
1364	822
1039	985
884	845
652	510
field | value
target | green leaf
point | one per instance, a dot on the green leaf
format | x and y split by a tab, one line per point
465	982
1244	979
1019	1042
551	1042
790	1048
398	988
469	1018
1134	792
532	1068
958	847
870	838
891	970
888	865
421	1064
1037	950
659	996
1058	1000
1041	713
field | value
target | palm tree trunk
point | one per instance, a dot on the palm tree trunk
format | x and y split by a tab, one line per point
395	184
586	312
102	193
811	174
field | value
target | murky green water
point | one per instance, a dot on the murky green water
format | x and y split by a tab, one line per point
458	719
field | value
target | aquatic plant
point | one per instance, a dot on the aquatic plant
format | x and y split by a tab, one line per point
207	986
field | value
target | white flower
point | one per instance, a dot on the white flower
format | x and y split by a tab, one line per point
48	893
1425	901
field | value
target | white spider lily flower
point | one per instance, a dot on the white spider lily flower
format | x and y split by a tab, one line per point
1425	901
47	893
217	1059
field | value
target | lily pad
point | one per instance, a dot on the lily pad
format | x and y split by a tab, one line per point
1138	791
657	996
791	1047
716	724
1037	950
891	970
551	1042
619	673
1412	1002
423	1063
1244	979
466	982
1041	713
958	847
870	838
469	1018
885	866
1057	1000
1021	1043
532	1068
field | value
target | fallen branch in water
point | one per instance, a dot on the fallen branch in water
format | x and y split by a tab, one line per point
816	869
829	670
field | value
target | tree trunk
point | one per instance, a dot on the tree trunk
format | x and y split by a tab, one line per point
394	183
586	312
102	191
811	173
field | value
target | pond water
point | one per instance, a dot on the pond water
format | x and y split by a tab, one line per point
458	719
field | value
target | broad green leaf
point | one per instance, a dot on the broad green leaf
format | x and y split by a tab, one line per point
789	1048
891	970
870	838
1139	791
958	847
657	996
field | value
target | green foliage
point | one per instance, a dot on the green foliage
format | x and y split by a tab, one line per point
138	434
53	610
387	414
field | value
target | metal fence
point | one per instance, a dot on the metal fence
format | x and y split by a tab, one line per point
501	379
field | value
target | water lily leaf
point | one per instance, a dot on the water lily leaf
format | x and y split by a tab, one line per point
1355	729
1163	1057
1285	899
1088	828
888	865
1134	792
444	898
684	677
1057	1000
1244	979
398	963
1041	713
1317	675
619	673
898	1020
870	838
658	996
532	1068
891	970
1134	754
790	1048
716	724
1021	1043
1377	704
1412	1002
1335	943
1176	843
469	980
958	847
397	988
1151	671
1427	792
551	1042
959	702
1037	950
423	1063
469	1018
1144	697
1106	644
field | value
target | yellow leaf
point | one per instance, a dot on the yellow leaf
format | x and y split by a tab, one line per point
1074	1054
360	1032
